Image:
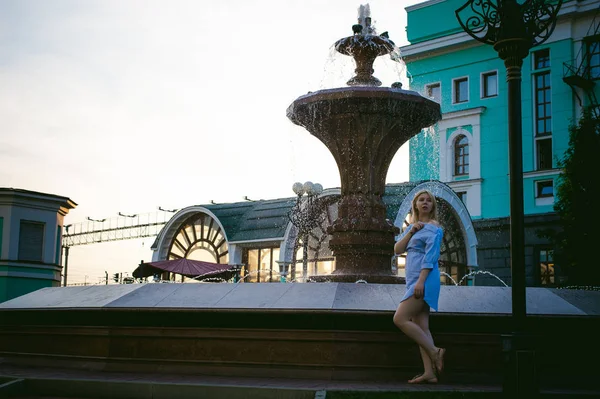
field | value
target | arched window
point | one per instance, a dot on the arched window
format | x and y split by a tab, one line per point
199	238
461	156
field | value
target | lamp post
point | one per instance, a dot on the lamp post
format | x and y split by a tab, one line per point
283	270
513	29
305	215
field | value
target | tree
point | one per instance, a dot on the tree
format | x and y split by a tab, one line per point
578	197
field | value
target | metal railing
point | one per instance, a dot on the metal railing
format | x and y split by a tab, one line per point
122	227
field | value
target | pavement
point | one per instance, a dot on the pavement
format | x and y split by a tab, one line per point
47	383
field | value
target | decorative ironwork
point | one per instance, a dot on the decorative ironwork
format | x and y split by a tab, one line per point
306	214
484	24
489	22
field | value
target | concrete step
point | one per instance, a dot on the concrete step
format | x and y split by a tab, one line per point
44	383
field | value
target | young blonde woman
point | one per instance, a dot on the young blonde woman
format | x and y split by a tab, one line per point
421	240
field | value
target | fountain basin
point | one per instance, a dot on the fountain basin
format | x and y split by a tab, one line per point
364	49
325	331
307	112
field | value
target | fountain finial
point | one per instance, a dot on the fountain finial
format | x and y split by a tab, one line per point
364	46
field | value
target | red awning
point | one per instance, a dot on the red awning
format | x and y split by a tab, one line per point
185	267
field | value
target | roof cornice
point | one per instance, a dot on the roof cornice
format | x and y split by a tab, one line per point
423	5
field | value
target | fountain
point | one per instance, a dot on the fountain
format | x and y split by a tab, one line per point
363	125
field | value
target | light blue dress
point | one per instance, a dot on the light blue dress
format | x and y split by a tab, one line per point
423	251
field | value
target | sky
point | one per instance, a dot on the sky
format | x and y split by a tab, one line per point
128	105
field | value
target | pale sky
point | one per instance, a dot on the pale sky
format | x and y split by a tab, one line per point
127	105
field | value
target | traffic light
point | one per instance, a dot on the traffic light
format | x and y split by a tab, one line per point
116	277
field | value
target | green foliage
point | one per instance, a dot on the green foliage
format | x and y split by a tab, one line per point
577	202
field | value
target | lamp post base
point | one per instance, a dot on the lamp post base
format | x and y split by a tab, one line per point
520	369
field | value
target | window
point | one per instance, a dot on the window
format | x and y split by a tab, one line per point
593	55
200	238
541	59
461	90
31	241
489	84
544	189
542	110
543	152
543	116
546	267
434	92
461	156
261	265
399	265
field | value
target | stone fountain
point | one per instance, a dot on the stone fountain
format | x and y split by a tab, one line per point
363	125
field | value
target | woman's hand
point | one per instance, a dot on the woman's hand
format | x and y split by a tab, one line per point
419	290
416	227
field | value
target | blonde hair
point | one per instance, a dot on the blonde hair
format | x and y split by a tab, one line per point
414	217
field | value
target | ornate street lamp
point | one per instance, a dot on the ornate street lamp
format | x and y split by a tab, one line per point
305	215
513	29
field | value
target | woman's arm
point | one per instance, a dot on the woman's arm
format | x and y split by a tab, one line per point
432	250
401	244
432	255
419	289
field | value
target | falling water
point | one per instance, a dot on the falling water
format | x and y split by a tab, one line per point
264	272
474	273
213	280
449	276
364	12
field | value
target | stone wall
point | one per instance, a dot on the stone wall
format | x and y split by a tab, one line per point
493	249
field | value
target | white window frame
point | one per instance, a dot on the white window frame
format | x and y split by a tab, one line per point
469	138
427	86
543	201
454	89
481	86
534	68
472	185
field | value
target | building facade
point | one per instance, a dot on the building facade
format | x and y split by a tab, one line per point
261	237
31	230
468	148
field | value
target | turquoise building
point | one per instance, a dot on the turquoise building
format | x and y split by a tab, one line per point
468	148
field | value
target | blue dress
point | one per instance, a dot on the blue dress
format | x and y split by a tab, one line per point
423	251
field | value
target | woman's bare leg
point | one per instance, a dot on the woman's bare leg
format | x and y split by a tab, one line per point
422	320
407	310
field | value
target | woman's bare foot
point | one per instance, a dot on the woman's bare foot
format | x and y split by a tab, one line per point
423	379
438	361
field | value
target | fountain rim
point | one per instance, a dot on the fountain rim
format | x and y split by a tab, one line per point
361	91
366	92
